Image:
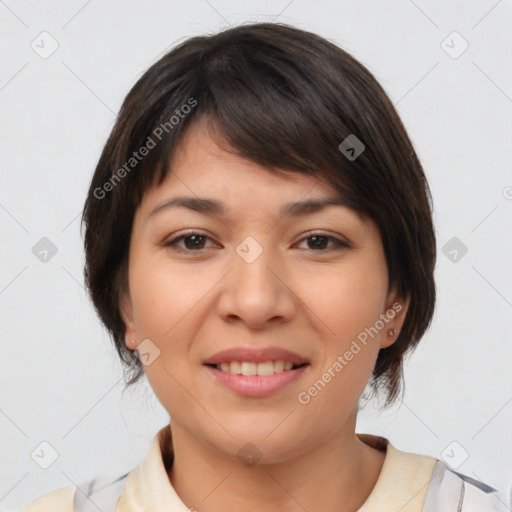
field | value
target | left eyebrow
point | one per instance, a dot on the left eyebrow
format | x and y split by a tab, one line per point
208	206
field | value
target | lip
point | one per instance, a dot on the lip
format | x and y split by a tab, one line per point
255	355
256	385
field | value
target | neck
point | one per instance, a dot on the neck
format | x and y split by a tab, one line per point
337	475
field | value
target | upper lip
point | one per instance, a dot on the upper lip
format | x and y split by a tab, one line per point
256	355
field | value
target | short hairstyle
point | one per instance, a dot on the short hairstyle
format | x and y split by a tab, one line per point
284	98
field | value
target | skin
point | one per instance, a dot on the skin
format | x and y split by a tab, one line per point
313	301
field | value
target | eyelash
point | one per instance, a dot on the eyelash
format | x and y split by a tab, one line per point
338	244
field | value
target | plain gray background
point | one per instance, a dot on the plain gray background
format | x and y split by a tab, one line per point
60	382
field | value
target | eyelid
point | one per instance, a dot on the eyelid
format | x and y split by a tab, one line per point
337	239
172	242
339	242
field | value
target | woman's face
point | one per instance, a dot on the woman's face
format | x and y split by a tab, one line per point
260	281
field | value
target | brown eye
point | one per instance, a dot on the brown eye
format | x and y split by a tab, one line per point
193	242
319	242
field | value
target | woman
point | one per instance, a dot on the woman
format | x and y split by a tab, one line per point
259	244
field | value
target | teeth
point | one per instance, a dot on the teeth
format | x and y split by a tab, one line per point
234	367
250	368
266	368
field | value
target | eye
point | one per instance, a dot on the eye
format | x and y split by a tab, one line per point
319	241
194	242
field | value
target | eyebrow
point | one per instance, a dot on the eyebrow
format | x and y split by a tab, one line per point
212	207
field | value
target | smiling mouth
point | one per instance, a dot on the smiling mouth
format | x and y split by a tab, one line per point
250	368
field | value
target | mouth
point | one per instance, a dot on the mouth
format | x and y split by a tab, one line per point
260	369
256	373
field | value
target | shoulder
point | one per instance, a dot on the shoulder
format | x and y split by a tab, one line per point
102	492
419	483
60	500
450	490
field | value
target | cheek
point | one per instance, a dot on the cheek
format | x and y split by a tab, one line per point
169	302
345	300
165	300
347	303
165	296
333	389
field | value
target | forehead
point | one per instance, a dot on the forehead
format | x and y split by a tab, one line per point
205	155
203	165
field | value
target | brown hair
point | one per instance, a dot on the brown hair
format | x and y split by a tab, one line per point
285	99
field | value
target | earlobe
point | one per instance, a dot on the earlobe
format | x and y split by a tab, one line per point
126	311
396	311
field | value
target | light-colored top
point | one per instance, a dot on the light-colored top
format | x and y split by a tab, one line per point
407	483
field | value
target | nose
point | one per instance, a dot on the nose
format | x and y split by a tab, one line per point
256	291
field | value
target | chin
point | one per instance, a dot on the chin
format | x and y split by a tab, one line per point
262	445
261	451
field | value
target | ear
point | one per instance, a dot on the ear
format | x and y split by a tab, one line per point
126	311
395	313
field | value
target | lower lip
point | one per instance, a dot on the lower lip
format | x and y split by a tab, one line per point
255	385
